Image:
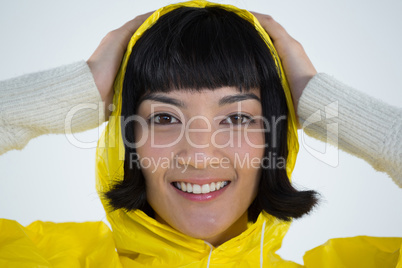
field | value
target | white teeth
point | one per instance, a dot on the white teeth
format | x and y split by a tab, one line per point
218	185
189	188
200	189
196	189
205	189
183	187
212	187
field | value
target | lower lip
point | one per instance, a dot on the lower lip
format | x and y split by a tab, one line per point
201	197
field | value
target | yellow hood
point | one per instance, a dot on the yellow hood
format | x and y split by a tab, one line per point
144	241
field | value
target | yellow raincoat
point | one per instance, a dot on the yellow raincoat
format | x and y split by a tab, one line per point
141	241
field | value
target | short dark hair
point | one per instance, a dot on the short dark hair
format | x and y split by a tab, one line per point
198	48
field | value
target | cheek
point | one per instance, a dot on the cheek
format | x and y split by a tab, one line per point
247	160
241	139
248	142
154	149
154	155
158	136
154	164
154	161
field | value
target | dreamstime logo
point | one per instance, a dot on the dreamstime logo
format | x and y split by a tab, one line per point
191	129
320	121
220	138
77	111
200	161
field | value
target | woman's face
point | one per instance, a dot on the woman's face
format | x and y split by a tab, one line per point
200	154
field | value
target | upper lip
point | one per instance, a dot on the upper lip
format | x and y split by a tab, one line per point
201	181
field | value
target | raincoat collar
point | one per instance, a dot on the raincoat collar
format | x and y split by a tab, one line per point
146	242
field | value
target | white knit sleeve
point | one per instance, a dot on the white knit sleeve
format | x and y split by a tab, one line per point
367	128
60	100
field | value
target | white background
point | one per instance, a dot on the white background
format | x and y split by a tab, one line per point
358	42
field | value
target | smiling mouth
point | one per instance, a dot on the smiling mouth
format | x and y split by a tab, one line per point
200	189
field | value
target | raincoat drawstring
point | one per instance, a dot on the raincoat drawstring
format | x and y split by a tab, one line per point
210	253
262	244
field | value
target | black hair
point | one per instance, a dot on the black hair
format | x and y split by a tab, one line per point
199	48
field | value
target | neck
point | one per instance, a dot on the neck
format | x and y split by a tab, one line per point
234	230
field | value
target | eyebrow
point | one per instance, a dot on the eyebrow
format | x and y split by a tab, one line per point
239	97
223	101
164	99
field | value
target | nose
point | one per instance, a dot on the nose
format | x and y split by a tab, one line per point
196	147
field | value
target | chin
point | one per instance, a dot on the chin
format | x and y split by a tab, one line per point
213	227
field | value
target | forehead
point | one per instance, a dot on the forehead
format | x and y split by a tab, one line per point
218	96
213	93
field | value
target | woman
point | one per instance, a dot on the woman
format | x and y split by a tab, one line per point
127	256
157	79
212	55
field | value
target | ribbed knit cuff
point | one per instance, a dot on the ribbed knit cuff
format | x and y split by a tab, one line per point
357	123
60	100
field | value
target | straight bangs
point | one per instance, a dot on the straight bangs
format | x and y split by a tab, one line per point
195	49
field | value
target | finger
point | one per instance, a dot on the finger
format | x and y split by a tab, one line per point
272	27
116	41
129	28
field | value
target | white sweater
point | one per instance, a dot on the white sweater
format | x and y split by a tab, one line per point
43	102
39	103
367	128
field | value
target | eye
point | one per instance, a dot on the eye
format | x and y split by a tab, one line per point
163	119
238	119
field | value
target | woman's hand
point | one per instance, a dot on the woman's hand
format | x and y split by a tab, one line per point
105	61
298	67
